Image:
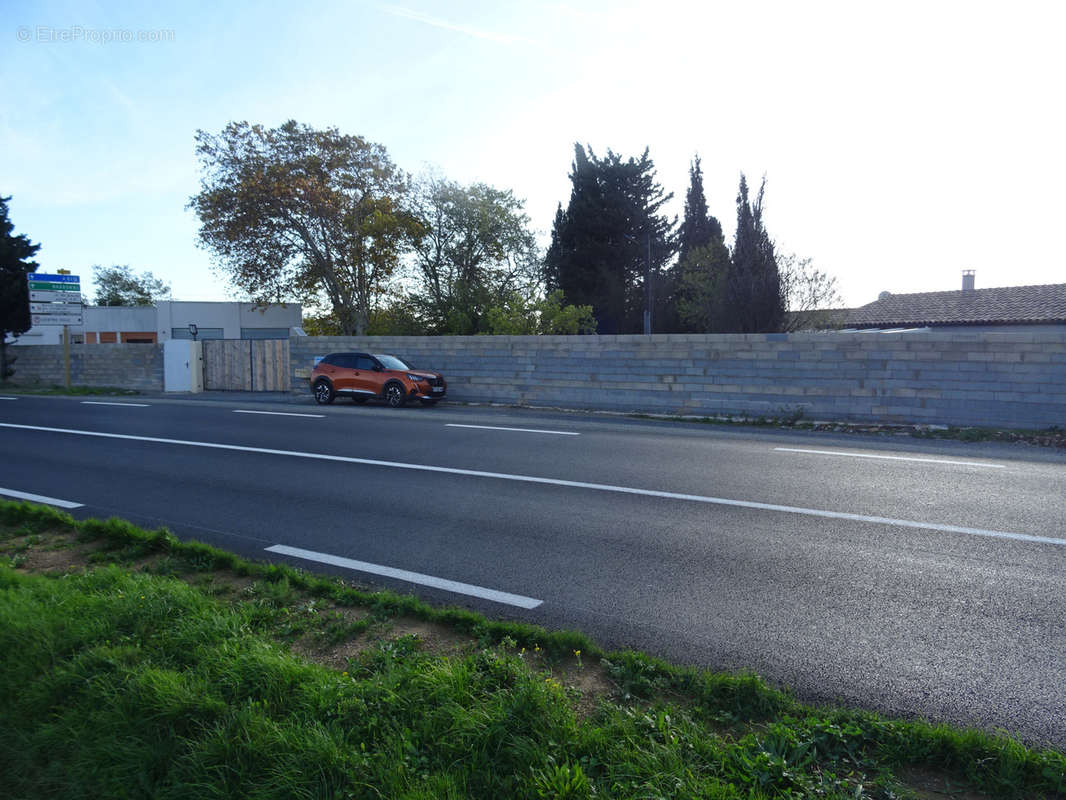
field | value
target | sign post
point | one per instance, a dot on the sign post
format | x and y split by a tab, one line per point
66	355
55	300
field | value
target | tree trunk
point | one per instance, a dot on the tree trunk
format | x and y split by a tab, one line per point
3	358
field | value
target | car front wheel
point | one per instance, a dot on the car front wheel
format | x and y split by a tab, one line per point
395	396
323	392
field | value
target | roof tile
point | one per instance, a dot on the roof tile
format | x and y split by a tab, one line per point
1002	305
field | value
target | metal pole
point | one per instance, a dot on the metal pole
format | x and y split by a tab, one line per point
647	290
66	354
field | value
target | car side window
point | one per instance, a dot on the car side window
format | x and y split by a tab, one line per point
364	363
344	362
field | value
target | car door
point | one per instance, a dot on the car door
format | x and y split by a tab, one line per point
366	379
340	372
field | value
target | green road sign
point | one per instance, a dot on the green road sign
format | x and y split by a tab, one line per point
55	287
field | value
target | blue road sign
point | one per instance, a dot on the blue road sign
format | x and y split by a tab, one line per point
40	276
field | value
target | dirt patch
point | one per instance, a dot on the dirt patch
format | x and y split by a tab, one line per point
438	640
929	784
335	655
52	552
590	684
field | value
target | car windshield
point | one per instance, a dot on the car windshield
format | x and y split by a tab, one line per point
391	362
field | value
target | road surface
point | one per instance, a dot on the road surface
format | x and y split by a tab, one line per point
914	578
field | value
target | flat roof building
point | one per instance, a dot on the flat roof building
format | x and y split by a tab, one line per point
171	319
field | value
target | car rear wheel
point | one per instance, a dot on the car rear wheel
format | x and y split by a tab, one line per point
395	396
323	392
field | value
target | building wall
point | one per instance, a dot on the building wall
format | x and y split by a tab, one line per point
130	366
943	377
228	318
221	320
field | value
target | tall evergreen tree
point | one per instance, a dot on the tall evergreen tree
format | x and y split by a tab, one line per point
15	265
698	227
703	260
600	244
754	299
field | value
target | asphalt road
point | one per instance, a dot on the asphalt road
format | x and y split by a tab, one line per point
911	577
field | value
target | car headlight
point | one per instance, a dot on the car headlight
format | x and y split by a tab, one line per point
416	378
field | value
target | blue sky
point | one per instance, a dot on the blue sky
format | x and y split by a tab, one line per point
903	142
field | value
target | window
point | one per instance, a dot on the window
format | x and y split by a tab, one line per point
364	363
202	333
391	362
264	333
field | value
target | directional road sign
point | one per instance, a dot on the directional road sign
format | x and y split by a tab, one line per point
49	286
45	276
37	296
55	308
56	319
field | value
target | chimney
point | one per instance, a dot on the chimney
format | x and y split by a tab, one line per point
967	279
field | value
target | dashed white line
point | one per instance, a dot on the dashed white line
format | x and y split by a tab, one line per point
890	458
39	498
410	577
277	413
8	398
519	430
599	487
104	403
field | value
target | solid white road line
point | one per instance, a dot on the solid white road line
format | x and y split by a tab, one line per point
520	430
8	398
889	458
409	577
599	487
277	413
102	403
39	498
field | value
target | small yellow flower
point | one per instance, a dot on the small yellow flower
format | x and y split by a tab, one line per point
577	652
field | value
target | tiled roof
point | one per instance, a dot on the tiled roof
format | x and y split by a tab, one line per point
1003	305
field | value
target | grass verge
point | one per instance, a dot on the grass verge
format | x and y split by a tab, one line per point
175	669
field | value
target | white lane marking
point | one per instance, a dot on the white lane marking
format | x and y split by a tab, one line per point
889	458
8	398
520	430
277	413
104	403
410	577
600	487
39	498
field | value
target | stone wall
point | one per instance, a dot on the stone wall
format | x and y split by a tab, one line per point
944	377
129	366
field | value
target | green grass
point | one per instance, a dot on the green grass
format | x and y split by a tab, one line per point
55	389
123	684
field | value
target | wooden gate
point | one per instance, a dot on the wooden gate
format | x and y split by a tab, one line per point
246	365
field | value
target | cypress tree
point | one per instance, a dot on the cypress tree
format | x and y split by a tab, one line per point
703	260
753	293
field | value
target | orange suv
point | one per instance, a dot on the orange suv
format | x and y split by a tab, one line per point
362	377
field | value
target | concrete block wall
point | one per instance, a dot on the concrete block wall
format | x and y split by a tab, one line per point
129	366
1013	379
